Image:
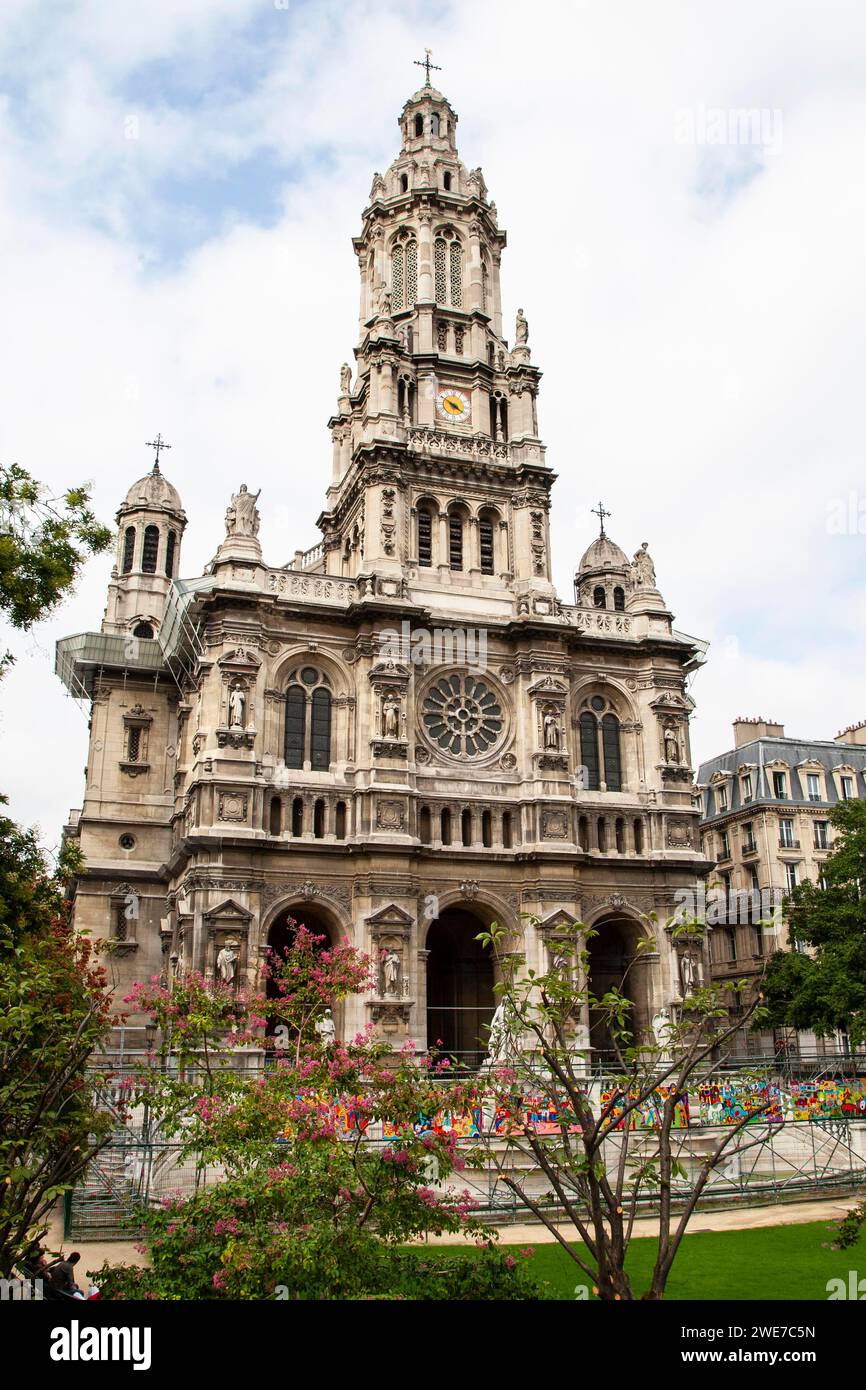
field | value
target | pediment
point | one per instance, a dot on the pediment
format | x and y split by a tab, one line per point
243	657
228	911
391	916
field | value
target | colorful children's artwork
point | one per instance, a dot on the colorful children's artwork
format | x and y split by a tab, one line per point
827	1100
648	1114
729	1101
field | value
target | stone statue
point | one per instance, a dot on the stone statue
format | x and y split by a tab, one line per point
672	747
662	1028
242	516
326	1029
500	1045
644	569
688	973
345	379
237	705
551	732
378	185
385	304
391	717
391	972
227	961
521	329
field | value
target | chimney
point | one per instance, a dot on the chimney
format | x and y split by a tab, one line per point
855	733
746	730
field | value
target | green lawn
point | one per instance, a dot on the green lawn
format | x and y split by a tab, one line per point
771	1262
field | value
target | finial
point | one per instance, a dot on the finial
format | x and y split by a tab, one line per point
157	444
427	65
600	512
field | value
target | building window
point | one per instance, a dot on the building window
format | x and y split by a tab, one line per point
786	833
638	837
128	549
297	817
340	820
170	547
847	788
425	538
813	786
748	837
319	818
275	819
446	182
434	125
822	840
404	183
448	269
456	275
721	799
466	828
600	747
506	830
780	786
419	125
485	292
133	744
599	597
485	542
445	827
425	832
143	630
308	740
619	599
455	541
731	935
404	273
791	877
150	549
725	850
747	787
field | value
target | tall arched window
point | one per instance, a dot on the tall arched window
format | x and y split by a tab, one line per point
448	269
425	828
419	124
619	599
599	597
308	735
455	541
150	549
404	272
506	830
589	750
297	817
610	748
170	547
485	544
340	820
128	549
445	826
434	124
600	746
425	537
466	828
275	818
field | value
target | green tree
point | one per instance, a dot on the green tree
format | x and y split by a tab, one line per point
44	542
825	990
54	1007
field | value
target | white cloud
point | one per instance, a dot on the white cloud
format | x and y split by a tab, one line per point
702	354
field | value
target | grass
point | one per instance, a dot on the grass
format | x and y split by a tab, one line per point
767	1263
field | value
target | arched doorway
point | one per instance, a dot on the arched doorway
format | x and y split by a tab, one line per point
460	998
611	954
281	934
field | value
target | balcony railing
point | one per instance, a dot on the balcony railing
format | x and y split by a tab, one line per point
789	844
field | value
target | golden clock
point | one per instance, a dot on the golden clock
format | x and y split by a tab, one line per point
453	405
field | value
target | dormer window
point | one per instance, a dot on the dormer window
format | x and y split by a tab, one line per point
721	800
780	786
747	787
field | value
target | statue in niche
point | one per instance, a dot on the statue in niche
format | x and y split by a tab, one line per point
551	732
237	706
500	1045
326	1030
688	974
345	379
242	516
662	1029
643	568
227	961
391	973
391	717
521	329
672	746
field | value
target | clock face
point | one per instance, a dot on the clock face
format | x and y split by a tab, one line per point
453	405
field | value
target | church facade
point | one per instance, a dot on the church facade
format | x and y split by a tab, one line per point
405	734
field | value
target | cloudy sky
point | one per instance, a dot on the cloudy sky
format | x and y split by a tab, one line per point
179	181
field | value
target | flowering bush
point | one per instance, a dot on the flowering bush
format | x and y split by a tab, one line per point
315	1201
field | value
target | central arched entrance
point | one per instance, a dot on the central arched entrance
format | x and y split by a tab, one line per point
460	998
281	934
611	954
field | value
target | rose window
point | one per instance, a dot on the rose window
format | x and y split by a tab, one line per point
462	715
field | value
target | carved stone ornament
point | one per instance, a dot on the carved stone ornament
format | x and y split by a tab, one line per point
232	806
554	825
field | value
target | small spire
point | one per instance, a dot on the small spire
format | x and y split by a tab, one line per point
427	65
600	512
157	444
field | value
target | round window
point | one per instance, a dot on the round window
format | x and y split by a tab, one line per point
309	675
127	842
597	702
462	715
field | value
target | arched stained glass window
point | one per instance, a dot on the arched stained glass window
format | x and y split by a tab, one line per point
150	549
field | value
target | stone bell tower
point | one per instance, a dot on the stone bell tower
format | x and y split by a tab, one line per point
438	471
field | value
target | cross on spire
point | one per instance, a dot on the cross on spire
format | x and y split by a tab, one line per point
600	512
157	444
427	65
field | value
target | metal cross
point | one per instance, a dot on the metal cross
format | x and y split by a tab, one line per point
600	512
157	444
427	65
